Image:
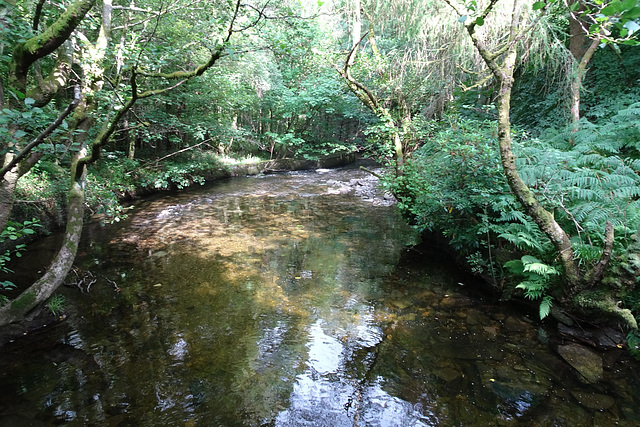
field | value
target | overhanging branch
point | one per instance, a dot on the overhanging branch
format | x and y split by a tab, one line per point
44	134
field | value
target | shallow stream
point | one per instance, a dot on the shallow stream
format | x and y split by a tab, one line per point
292	300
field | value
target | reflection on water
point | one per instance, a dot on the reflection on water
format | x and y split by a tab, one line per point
283	300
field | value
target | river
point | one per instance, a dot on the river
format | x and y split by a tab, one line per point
292	300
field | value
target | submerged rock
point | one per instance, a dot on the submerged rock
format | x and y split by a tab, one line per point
594	401
448	373
515	325
586	362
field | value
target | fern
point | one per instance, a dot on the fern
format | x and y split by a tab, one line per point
533	289
545	306
540	269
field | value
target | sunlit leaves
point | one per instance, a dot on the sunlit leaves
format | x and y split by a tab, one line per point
538	5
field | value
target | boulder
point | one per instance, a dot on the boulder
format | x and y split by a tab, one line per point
586	362
594	401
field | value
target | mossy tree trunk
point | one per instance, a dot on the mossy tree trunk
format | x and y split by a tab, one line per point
502	63
44	287
24	55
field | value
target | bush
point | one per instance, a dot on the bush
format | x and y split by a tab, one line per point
454	185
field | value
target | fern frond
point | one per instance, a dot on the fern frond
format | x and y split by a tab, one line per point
545	306
541	269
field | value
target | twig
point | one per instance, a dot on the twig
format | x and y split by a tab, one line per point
175	152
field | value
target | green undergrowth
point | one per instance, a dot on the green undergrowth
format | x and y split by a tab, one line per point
454	185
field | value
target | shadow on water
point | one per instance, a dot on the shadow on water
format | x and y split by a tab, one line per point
289	300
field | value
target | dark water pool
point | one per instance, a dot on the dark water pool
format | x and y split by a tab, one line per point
289	300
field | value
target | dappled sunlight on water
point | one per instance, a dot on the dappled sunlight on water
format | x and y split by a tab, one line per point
292	300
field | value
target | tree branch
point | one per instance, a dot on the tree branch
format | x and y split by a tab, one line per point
37	14
45	133
111	126
26	53
155	162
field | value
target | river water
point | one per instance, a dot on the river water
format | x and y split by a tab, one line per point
289	300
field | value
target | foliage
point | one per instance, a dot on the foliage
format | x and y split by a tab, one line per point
633	341
452	181
611	83
586	178
28	120
40	192
56	304
536	277
454	185
13	232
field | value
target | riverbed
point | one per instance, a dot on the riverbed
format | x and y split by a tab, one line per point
289	300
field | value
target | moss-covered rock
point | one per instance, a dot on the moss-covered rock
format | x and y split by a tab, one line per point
587	363
604	305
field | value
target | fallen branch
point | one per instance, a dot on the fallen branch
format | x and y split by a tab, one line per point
371	172
155	162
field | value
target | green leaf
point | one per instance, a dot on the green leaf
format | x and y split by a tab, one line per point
479	21
540	4
545	306
528	259
632	13
612	8
515	266
540	269
19	133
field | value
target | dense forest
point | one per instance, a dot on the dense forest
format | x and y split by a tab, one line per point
509	130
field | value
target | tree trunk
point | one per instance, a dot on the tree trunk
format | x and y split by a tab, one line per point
357	27
576	80
42	289
503	72
7	189
582	49
131	154
371	101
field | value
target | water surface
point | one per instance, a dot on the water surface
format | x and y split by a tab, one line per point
289	300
